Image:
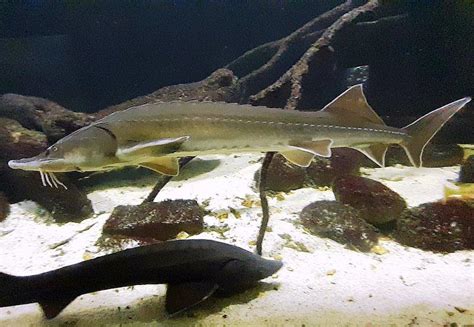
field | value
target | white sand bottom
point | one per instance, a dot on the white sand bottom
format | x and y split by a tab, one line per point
329	285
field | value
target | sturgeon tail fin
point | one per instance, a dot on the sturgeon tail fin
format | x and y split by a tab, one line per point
423	129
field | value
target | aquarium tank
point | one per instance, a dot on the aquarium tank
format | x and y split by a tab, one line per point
237	163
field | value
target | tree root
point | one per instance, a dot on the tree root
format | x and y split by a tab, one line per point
263	200
319	57
261	66
163	180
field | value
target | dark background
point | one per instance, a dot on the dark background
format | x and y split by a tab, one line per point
87	55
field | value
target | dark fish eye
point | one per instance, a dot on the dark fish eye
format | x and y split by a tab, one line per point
54	149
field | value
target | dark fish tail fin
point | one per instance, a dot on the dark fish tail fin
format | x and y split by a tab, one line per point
16	290
423	129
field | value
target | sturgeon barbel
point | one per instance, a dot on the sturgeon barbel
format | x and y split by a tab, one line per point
156	135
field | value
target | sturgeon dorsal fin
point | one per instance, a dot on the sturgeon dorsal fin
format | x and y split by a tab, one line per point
165	165
353	103
180	297
52	308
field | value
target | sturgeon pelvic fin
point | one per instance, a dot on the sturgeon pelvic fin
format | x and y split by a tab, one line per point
165	165
423	129
301	153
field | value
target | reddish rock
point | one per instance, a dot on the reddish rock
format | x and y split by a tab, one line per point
437	226
283	176
161	221
4	207
376	202
467	171
344	161
339	222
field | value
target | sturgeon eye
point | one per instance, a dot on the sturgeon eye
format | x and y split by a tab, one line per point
54	149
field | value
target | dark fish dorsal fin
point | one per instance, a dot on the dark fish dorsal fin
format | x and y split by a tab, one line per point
352	103
52	308
165	165
180	297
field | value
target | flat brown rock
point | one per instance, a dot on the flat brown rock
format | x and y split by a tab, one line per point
157	220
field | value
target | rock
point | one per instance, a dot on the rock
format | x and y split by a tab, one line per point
160	221
4	207
42	115
344	161
434	155
283	176
376	202
467	171
216	87
64	205
437	226
17	142
339	222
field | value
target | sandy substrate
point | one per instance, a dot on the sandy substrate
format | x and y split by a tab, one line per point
321	283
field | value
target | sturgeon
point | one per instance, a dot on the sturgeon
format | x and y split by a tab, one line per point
155	135
192	269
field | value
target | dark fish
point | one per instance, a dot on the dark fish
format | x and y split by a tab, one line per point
193	270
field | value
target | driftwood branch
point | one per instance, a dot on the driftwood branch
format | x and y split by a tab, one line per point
163	180
315	61
263	200
263	65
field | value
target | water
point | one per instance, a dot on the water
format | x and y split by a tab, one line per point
403	256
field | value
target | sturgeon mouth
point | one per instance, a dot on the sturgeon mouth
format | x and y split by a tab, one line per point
35	163
40	165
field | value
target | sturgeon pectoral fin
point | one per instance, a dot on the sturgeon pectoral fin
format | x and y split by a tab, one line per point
52	308
149	149
353	104
165	165
375	152
180	297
